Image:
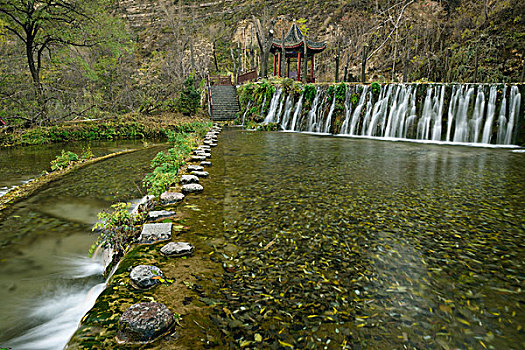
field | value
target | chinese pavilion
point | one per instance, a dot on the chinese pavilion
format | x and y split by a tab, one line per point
296	46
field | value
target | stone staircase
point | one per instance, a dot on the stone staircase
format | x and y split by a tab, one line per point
225	103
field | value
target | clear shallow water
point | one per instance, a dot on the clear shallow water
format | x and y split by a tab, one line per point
373	245
20	164
46	282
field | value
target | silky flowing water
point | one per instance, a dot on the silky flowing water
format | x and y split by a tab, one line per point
366	244
47	282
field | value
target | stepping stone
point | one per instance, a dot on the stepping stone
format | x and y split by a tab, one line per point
200	173
189	179
197	158
145	276
195	168
204	147
177	249
207	142
144	322
205	163
152	233
159	214
213	144
171	197
192	188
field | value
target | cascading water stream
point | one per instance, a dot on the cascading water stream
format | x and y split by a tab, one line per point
451	113
245	112
288	106
297	113
274	103
491	109
328	123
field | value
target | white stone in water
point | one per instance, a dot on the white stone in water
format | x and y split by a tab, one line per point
204	147
197	158
144	276
213	144
195	168
200	173
192	188
158	214
177	249
189	179
152	233
205	163
144	322
207	142
171	197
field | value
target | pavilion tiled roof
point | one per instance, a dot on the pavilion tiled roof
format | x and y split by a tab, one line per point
294	39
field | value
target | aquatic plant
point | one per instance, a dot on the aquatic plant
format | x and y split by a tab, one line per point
64	160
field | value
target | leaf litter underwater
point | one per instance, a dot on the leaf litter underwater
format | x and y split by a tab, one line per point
361	244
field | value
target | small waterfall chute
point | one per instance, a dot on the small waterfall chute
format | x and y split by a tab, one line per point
491	110
274	103
297	113
328	122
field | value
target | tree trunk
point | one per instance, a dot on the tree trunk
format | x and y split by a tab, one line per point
215	56
476	64
363	64
345	74
337	53
234	66
283	54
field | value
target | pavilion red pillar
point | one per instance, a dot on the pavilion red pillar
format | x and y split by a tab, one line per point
298	66
288	67
279	66
274	65
312	70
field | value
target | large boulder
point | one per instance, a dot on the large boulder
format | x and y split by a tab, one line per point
152	233
145	276
177	249
144	322
171	197
192	188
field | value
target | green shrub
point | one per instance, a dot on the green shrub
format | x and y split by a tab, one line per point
375	88
309	92
64	160
118	228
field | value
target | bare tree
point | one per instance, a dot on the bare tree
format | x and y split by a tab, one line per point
264	41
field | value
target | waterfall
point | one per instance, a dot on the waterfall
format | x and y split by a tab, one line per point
514	107
452	108
368	114
297	113
357	111
287	110
245	112
458	113
479	109
379	111
262	106
438	114
491	109
423	127
312	114
348	111
502	120
461	133
328	122
274	103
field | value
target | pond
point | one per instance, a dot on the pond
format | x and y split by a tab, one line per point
47	281
21	164
366	244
